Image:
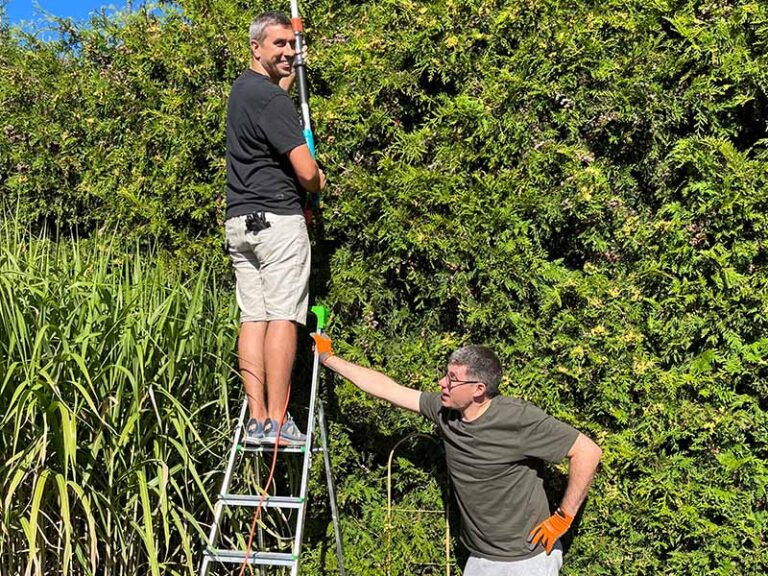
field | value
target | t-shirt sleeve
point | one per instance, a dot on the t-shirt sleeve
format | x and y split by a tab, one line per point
280	124
545	437
429	405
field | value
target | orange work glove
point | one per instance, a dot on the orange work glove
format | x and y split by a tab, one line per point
322	346
549	531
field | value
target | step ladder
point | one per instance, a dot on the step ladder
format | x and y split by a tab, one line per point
298	503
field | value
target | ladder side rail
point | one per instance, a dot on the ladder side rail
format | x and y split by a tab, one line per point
219	508
306	465
331	485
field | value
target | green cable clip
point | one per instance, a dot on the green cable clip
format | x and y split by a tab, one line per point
321	313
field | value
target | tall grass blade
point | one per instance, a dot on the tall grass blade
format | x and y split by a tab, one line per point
147	533
67	522
32	527
111	364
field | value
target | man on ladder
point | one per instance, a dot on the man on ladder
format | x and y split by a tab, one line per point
269	164
269	167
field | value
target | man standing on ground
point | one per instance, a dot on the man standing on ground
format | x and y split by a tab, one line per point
269	169
492	447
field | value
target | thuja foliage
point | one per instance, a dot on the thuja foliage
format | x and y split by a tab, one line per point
580	185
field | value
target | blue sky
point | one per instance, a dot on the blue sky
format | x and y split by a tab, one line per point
35	10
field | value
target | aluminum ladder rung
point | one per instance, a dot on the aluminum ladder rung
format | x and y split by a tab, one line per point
289	449
254	499
263	558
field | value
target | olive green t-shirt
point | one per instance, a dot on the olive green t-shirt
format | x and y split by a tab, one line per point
492	462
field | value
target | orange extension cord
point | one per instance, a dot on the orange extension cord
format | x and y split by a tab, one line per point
257	512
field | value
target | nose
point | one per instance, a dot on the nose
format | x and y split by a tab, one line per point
444	382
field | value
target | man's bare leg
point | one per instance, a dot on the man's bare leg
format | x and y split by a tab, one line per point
279	354
250	346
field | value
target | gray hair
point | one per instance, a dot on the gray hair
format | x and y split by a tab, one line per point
482	365
259	25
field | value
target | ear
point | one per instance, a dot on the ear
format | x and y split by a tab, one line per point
480	390
255	49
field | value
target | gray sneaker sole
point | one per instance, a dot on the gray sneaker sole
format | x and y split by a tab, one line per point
284	440
254	440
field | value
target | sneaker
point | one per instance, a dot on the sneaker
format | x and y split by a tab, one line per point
254	432
289	433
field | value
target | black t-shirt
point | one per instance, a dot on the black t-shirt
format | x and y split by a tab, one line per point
262	126
493	464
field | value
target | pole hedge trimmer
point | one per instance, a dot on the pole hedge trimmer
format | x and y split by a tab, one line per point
301	75
301	81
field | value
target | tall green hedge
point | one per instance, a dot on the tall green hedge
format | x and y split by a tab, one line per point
582	185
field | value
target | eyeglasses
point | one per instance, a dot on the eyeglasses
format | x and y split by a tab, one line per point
453	382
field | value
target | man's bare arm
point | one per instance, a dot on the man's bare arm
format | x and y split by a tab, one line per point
584	456
286	82
310	177
375	383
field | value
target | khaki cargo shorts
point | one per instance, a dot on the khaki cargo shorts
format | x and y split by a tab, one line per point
271	268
